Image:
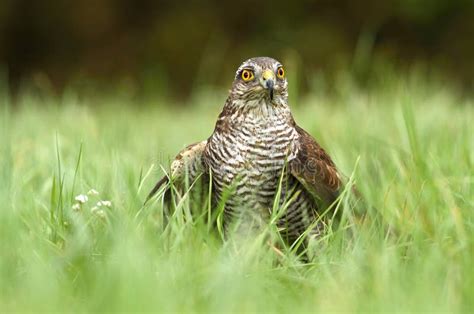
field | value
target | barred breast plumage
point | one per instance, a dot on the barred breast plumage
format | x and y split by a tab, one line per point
247	153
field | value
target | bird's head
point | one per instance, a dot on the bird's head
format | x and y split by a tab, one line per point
260	81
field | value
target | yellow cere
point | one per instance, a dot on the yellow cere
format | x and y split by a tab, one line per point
268	74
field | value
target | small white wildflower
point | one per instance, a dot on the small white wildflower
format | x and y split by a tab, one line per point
82	198
104	203
93	192
76	207
94	209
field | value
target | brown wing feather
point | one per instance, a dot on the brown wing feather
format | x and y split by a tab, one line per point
187	163
315	169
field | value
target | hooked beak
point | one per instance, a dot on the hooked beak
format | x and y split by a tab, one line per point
269	86
268	82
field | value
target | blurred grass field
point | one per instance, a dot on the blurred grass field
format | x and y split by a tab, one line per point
408	142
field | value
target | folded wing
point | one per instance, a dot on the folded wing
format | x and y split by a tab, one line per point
185	169
315	170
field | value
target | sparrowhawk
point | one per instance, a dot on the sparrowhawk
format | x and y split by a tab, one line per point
258	154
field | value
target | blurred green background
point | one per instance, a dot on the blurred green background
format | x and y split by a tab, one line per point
172	48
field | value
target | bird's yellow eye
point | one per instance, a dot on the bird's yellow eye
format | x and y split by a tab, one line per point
281	72
247	75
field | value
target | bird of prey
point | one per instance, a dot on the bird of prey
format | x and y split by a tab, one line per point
258	155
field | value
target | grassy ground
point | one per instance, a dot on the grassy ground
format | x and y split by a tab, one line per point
415	149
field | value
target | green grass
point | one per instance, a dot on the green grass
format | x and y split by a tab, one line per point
415	146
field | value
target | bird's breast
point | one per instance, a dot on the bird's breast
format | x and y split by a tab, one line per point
249	157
